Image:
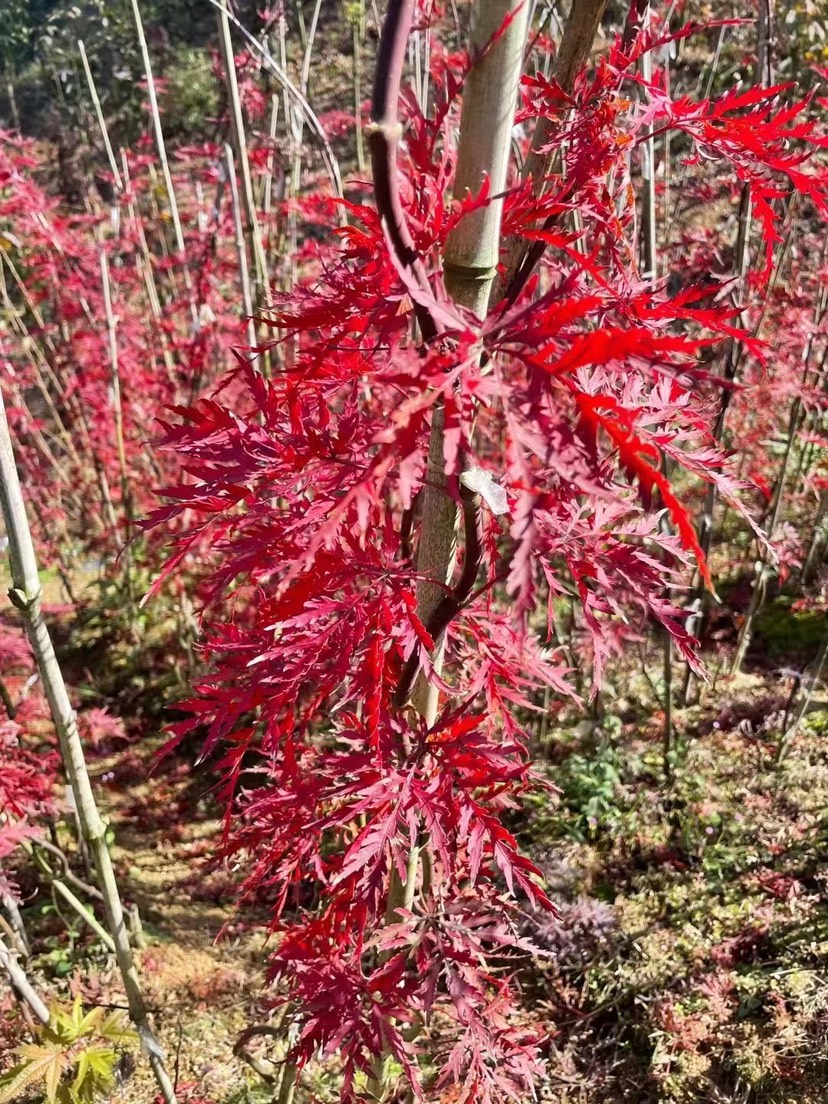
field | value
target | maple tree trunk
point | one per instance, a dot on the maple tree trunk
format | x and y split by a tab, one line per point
26	595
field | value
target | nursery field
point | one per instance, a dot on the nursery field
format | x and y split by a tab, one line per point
414	552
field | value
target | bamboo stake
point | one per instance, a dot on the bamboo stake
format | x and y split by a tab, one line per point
244	274
112	336
489	98
649	222
144	259
162	157
160	145
26	595
294	94
93	92
470	266
267	198
255	248
357	34
38	360
304	80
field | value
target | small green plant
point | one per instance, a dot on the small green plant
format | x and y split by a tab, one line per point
74	1058
191	96
589	785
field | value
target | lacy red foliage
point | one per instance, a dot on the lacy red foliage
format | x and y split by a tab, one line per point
58	376
586	398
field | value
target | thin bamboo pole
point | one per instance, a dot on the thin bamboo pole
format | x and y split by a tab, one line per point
255	248
649	222
293	94
241	252
357	36
161	149
93	92
26	595
470	265
148	272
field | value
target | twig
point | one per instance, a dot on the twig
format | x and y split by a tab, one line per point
21	984
16	923
84	913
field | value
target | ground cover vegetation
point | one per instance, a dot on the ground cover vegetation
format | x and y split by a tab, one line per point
414	471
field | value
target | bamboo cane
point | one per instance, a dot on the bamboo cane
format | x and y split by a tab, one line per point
241	252
93	92
579	34
470	265
255	248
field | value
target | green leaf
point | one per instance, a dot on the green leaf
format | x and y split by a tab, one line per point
95	1072
116	1029
41	1062
13	1083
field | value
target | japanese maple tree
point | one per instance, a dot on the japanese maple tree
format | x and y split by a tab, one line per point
367	699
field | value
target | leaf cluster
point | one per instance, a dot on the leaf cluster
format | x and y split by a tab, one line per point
74	1058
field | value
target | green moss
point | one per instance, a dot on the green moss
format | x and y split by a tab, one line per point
781	631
